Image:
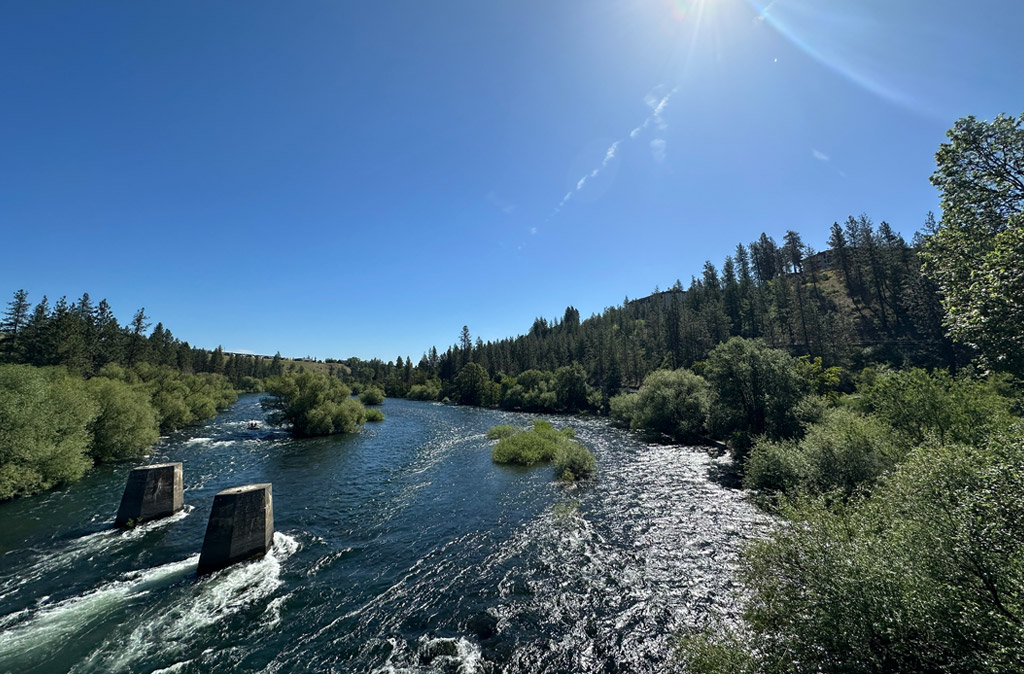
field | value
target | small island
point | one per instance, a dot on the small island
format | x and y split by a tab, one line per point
543	444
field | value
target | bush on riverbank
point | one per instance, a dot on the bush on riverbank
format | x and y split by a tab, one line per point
754	390
126	424
925	575
672	402
44	429
543	444
845	450
917	405
431	390
54	426
374	415
371	396
311	404
178	399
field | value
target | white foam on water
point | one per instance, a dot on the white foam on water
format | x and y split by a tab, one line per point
176	667
444	654
207	602
54	624
84	546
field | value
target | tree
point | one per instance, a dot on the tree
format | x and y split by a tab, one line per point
136	337
754	390
44	429
17	313
672	402
472	385
126	425
14	322
571	387
311	403
975	254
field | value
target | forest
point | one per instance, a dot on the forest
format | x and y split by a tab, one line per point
870	396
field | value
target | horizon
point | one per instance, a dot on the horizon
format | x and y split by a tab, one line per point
336	181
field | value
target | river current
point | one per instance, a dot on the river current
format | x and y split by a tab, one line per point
400	549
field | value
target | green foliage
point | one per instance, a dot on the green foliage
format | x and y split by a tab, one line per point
716	652
179	399
821	380
311	404
374	415
672	402
917	404
976	254
473	386
622	409
126	424
844	451
926	575
502	431
573	461
571	390
44	429
531	391
524	448
544	444
431	390
371	396
754	390
251	385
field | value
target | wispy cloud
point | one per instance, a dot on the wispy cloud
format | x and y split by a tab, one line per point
657	100
658	146
819	155
504	205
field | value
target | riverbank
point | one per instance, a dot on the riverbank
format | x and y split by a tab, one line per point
404	544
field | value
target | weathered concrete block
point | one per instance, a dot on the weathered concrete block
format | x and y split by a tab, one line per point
151	492
241	526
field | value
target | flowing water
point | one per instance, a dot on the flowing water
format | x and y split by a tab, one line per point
400	549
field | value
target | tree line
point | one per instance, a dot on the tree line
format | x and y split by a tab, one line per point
83	337
78	388
864	300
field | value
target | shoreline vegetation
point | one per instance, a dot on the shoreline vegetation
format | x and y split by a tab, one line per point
870	396
543	444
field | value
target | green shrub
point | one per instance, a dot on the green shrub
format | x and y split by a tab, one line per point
671	402
845	450
431	390
622	409
776	466
371	396
542	444
754	391
917	404
574	461
374	415
524	448
311	404
502	431
926	575
179	399
44	429
126	425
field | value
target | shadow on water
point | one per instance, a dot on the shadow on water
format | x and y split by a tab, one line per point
726	474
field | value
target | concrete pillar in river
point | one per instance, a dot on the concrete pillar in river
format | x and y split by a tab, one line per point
241	526
151	492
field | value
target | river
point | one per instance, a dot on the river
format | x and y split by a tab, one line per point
400	549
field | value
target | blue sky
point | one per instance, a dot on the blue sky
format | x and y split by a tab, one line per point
341	178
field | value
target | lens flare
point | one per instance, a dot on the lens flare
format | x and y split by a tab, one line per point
845	39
